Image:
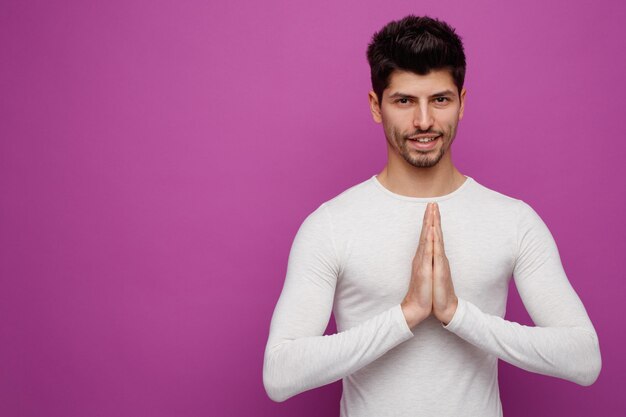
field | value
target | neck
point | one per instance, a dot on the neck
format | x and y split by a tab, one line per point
405	179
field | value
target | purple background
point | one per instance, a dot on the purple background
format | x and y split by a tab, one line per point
158	157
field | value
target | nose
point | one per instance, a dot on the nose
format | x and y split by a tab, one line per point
423	118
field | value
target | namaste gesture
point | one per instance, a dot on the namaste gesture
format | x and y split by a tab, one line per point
431	289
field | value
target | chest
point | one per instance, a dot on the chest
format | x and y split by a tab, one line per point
377	262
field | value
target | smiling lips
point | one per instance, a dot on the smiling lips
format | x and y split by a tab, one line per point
423	142
423	139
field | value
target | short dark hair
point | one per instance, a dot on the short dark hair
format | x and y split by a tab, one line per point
417	44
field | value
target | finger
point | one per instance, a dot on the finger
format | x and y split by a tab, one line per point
425	223
439	254
437	247
427	259
438	225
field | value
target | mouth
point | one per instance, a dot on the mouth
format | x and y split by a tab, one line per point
423	142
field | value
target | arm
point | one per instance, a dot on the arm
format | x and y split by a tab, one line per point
298	357
563	343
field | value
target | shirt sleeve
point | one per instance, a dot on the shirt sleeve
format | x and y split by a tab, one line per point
298	355
563	343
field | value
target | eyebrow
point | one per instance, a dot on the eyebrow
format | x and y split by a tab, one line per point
444	93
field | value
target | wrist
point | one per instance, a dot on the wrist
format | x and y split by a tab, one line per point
448	315
412	315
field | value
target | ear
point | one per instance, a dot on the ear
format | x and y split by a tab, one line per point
462	108
374	107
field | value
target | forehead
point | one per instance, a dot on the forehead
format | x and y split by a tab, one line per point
418	85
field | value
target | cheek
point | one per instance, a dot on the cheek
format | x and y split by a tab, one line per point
391	132
390	125
398	121
449	122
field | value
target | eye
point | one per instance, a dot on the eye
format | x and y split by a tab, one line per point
403	100
441	100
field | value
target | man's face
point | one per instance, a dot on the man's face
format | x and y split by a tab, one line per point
419	107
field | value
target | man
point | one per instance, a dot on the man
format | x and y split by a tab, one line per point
416	262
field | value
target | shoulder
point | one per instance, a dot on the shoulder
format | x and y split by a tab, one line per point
489	196
515	210
491	205
351	197
504	207
349	202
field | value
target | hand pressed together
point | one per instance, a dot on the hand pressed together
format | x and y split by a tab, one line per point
431	289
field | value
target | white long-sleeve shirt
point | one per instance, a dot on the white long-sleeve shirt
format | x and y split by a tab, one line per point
352	256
